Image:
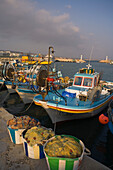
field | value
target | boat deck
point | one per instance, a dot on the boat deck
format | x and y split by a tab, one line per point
72	103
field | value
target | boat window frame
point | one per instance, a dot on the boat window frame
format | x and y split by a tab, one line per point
75	80
87	78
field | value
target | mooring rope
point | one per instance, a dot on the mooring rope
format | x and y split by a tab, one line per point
4	99
27	107
110	166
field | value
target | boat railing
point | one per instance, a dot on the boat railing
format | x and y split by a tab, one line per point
104	96
100	98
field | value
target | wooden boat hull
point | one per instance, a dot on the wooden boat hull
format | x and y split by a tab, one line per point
58	114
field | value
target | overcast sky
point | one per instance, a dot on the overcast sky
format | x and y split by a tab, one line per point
72	27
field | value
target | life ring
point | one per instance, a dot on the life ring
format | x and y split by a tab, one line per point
103	119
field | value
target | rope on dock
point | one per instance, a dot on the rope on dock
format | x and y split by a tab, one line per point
111	166
27	107
4	99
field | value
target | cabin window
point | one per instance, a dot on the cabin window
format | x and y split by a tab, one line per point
87	82
95	81
78	81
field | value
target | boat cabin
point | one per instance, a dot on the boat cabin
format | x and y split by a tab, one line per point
86	78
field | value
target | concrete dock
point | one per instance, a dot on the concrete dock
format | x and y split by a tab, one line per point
12	156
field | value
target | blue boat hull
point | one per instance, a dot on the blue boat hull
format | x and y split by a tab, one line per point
58	111
110	125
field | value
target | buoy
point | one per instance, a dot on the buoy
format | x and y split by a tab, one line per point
103	119
50	79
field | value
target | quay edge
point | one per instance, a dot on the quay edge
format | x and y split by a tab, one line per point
12	156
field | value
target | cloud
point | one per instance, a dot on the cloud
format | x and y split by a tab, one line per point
91	33
68	6
24	26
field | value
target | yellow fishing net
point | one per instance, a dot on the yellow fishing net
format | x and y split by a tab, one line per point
63	146
38	135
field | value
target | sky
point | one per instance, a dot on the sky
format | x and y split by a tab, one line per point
72	27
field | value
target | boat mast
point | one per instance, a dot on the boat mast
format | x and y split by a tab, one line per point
51	49
89	65
49	57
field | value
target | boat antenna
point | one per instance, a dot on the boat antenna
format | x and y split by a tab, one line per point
89	65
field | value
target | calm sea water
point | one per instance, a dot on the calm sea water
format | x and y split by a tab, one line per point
96	137
69	69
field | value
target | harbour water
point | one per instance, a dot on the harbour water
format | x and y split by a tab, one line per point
96	137
69	69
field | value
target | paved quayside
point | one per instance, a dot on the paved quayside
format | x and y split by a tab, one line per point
12	156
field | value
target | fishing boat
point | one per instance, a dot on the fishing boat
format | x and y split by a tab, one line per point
85	98
27	79
107	118
110	125
110	117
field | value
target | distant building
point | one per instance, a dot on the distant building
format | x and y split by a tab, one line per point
9	53
80	60
105	61
63	59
